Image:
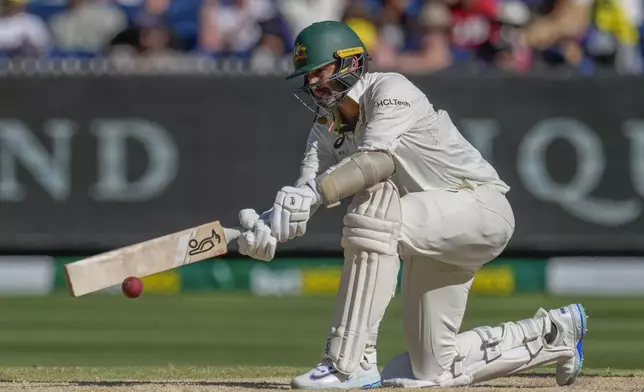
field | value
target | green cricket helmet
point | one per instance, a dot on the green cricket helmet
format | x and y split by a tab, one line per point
321	44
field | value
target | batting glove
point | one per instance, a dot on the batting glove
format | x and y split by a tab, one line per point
291	211
257	242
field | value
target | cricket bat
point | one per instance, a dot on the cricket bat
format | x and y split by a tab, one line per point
148	257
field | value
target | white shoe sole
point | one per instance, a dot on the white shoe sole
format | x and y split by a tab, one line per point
368	385
581	327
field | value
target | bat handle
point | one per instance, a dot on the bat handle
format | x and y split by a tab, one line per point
232	233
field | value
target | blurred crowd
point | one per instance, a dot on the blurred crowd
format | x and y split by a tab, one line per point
408	36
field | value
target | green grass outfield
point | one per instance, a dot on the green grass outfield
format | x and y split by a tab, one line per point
226	330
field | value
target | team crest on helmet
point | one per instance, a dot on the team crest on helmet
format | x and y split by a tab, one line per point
299	52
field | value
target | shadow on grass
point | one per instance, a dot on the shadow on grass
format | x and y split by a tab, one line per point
492	384
534	375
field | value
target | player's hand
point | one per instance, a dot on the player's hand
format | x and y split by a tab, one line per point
291	210
257	242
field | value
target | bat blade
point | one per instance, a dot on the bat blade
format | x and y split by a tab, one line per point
147	258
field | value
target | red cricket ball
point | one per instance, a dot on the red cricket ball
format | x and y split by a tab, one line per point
132	287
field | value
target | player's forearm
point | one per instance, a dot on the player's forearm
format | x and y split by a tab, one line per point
353	174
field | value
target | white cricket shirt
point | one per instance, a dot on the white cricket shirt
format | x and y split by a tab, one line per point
395	116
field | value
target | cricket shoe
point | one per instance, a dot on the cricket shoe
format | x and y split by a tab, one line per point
325	376
572	324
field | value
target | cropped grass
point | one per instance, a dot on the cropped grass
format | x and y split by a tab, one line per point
200	335
197	373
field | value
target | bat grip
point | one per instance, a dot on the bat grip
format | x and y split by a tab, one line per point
232	233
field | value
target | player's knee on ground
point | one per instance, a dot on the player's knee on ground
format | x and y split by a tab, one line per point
486	353
369	275
491	352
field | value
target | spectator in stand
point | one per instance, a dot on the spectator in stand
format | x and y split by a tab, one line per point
399	30
613	38
22	34
413	42
233	26
556	33
446	32
485	32
409	36
87	25
589	34
272	49
357	16
150	37
300	13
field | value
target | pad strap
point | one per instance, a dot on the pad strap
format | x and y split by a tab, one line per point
491	343
533	335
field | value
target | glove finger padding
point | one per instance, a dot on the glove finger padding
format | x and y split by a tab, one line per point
280	223
258	242
245	243
248	217
266	243
299	228
271	247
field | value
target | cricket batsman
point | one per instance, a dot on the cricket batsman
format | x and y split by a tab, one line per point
421	193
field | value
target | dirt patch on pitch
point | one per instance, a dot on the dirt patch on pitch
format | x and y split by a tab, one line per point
510	384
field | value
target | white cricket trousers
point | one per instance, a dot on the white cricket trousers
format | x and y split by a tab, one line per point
447	237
